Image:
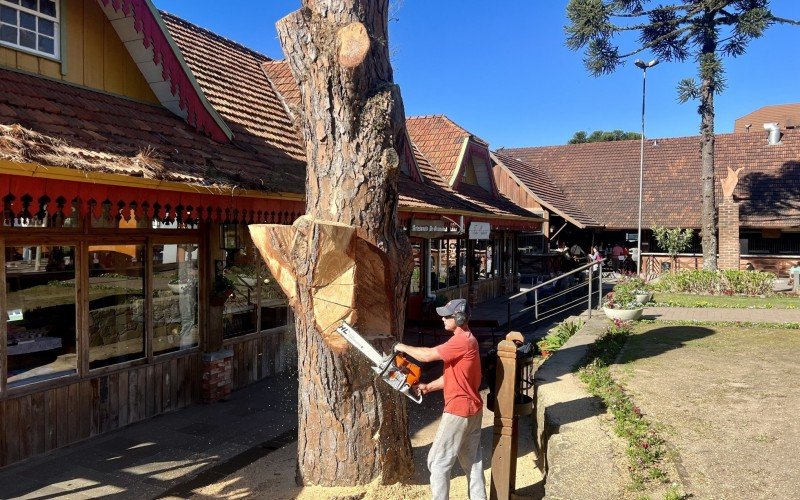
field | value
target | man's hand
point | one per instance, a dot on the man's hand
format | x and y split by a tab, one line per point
422	389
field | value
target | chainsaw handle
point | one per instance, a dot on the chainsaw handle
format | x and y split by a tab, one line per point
417	399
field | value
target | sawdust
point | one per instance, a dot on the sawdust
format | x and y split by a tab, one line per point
273	476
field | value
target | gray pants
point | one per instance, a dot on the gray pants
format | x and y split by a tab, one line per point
457	437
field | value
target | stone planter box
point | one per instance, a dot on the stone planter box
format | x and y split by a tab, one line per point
644	298
624	314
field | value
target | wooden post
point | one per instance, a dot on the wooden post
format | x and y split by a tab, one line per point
504	455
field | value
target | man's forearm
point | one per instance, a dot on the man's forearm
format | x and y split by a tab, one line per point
424	354
436	385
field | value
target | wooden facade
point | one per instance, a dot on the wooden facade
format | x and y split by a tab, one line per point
93	56
65	412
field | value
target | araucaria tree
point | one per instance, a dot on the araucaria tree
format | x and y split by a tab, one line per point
705	30
347	258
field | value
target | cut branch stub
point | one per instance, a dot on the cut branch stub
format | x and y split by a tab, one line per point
353	44
346	275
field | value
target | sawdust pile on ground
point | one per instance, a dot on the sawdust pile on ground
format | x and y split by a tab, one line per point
273	476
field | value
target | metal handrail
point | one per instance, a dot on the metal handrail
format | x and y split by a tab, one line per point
536	302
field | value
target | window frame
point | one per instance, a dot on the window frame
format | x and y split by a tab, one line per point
56	55
82	240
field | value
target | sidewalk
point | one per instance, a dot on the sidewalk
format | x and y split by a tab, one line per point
173	453
726	315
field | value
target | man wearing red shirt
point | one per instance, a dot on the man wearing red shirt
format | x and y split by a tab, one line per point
459	434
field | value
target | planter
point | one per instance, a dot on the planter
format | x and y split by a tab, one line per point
624	314
248	280
644	298
523	405
177	287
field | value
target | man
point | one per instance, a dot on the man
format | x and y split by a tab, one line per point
459	434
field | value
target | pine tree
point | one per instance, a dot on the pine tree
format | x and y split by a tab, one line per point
705	30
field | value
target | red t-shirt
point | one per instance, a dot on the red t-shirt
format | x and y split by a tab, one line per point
462	374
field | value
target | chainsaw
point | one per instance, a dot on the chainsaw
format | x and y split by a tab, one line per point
395	368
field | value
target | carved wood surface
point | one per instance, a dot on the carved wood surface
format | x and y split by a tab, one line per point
348	258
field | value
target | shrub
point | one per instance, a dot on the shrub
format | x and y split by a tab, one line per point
727	282
623	296
559	335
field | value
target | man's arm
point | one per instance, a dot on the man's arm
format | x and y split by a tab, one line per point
424	354
436	385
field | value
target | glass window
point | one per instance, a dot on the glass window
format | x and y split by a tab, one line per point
416	253
116	304
485	259
446	264
240	315
40	284
274	305
30	25
175	296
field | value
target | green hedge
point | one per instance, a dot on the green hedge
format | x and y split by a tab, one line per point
727	282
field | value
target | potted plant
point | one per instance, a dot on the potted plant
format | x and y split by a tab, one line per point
622	304
221	290
246	274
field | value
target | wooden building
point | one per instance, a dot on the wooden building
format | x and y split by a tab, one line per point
129	169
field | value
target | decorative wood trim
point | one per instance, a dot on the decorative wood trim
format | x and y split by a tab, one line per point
3	323
148	301
459	164
63	35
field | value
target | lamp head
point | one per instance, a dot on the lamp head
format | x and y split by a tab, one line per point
643	65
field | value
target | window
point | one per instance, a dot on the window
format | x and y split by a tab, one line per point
41	318
116	304
485	261
416	252
175	297
448	265
30	25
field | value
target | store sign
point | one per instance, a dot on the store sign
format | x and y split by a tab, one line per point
479	230
428	228
14	314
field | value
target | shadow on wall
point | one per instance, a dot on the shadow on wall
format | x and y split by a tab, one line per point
772	197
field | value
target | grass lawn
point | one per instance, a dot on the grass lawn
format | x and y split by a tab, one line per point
724	399
725	301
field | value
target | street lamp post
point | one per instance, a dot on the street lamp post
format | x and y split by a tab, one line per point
644	66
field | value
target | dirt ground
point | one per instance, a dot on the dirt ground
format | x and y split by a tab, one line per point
726	400
273	476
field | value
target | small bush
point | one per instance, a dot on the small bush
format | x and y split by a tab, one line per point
559	335
727	282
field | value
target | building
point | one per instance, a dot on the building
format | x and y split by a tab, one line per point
130	164
601	179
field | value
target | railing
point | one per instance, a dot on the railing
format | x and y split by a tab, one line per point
540	313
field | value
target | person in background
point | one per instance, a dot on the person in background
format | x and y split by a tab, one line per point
595	255
616	253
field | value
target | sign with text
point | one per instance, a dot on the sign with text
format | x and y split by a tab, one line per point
428	228
14	314
479	230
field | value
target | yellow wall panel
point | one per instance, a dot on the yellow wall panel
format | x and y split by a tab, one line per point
49	68
94	21
27	62
114	55
74	31
8	57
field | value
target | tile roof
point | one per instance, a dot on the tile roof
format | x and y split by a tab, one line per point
234	81
785	115
58	124
549	195
602	178
440	140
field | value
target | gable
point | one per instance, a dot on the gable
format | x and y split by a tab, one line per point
91	55
474	169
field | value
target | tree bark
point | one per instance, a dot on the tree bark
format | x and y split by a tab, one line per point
708	231
352	428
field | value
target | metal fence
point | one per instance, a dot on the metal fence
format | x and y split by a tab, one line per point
578	288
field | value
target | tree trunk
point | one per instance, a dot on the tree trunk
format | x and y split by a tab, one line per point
708	231
352	428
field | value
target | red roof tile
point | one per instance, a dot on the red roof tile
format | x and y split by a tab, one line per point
785	115
440	140
602	178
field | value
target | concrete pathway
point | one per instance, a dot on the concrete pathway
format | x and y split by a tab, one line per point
729	315
167	455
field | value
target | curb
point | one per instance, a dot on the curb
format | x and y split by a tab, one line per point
578	458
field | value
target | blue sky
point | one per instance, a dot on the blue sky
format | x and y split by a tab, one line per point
501	69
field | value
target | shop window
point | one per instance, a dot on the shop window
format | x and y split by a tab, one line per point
448	267
175	297
416	252
485	259
116	304
41	318
30	25
274	305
